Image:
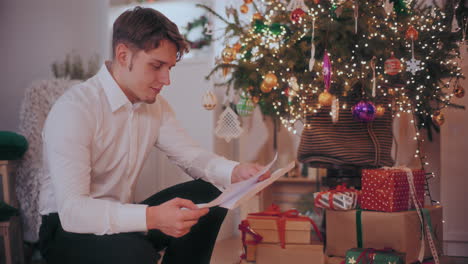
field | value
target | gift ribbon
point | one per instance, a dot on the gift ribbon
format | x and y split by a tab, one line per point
359	228
368	254
246	229
338	189
282	217
400	168
426	229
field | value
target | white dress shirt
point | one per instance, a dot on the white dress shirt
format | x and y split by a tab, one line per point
95	144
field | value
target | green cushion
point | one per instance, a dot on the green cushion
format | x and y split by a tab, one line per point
7	211
12	145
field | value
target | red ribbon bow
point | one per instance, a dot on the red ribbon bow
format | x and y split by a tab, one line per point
368	254
282	217
246	229
338	189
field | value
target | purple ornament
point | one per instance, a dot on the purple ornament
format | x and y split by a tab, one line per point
364	111
326	71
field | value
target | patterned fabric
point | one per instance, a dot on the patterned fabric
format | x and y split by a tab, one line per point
38	99
348	142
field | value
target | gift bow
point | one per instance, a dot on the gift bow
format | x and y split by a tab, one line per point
338	189
246	229
275	211
368	254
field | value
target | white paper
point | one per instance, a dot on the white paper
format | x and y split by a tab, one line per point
242	191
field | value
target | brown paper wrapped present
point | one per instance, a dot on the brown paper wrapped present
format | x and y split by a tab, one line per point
282	227
297	254
400	231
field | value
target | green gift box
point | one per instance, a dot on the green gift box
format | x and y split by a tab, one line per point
373	256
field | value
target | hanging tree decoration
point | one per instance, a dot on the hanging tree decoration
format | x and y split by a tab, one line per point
325	98
298	9
364	111
228	124
312	48
245	106
388	6
209	100
374	79
392	65
356	16
413	65
293	83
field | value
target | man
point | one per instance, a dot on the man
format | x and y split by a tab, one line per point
96	139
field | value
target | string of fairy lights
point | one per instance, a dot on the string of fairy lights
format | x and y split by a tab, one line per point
266	44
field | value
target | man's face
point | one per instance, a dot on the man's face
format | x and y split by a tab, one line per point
148	72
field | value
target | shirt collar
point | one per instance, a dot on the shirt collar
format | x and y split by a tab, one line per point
114	93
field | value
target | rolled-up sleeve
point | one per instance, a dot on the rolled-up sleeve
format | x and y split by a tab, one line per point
187	154
67	138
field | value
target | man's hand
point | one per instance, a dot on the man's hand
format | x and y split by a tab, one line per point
244	171
171	219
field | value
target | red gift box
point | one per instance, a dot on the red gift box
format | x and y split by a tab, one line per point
388	189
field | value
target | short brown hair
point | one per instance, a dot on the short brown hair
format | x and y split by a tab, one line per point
144	28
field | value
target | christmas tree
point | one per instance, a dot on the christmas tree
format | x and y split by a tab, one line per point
296	58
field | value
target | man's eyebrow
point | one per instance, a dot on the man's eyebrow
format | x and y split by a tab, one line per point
162	62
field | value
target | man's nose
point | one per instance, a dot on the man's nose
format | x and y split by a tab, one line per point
165	77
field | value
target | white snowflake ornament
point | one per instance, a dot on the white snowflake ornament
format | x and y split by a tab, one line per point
413	66
228	125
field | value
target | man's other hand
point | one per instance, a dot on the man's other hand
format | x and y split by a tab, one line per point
244	171
171	219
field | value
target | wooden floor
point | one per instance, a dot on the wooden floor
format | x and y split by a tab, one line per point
228	252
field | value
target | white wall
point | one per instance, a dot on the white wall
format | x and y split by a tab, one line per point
37	33
454	179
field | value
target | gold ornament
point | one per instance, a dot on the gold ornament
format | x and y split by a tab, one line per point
459	92
237	47
270	80
325	98
257	16
228	54
265	88
209	100
244	8
438	118
380	111
248	1
255	99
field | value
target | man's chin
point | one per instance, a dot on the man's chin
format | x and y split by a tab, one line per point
150	101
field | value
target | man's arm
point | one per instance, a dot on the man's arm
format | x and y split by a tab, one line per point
67	138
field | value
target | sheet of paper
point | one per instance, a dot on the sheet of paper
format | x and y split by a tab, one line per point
242	191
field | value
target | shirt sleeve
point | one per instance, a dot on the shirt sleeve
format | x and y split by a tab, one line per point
187	154
67	142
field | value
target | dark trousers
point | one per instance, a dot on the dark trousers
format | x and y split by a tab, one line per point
61	247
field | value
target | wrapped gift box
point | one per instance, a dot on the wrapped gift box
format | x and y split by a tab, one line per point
296	231
334	260
297	254
340	198
387	190
400	231
369	255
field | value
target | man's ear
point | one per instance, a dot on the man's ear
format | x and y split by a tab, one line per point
123	55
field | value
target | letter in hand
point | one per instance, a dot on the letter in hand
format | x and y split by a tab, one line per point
244	171
170	219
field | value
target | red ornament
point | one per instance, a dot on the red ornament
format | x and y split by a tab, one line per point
316	2
286	92
297	14
412	33
392	65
